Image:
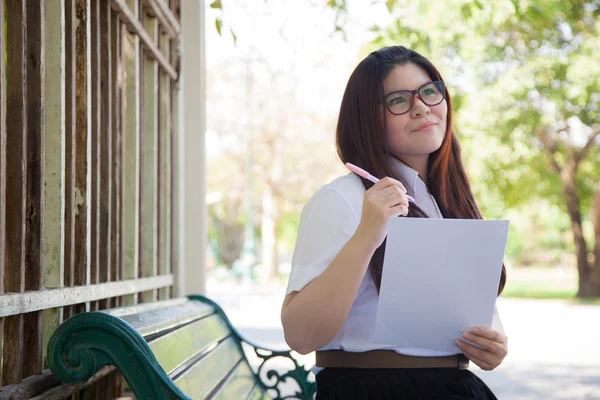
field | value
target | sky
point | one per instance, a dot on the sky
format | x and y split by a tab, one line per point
295	38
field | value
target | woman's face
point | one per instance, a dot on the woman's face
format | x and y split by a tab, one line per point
419	132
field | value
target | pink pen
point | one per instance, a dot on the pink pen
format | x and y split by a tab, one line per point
361	172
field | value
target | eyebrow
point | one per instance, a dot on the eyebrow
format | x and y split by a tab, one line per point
407	90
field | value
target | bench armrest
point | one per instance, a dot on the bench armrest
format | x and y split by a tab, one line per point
269	377
87	342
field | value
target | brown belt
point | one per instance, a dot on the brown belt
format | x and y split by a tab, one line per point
386	359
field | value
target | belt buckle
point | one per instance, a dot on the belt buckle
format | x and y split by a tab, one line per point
463	362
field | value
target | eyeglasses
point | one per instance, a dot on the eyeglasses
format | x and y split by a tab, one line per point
402	101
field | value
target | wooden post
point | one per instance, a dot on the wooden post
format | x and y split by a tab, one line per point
94	140
16	153
176	256
149	169
131	154
193	215
164	163
32	335
2	172
106	154
117	147
70	140
54	160
82	145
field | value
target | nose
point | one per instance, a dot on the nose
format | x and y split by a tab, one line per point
419	107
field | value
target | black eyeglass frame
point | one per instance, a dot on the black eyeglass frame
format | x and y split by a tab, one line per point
438	84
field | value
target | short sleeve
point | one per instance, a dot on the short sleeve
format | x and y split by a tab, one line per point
326	224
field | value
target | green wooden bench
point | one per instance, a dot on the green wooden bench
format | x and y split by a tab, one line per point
175	349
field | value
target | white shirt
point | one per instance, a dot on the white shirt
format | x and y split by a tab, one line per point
327	222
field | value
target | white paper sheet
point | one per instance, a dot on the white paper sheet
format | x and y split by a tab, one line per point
440	277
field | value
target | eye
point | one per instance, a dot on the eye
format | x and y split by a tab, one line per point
429	91
397	100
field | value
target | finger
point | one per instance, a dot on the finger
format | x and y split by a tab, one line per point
484	365
396	200
394	196
398	210
389	191
488	333
467	347
489	345
387	181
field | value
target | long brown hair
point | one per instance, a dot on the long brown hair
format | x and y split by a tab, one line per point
361	140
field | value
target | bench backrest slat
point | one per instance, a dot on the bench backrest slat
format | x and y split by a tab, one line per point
202	378
156	320
239	385
257	394
176	348
144	307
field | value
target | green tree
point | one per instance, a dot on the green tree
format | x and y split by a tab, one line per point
527	76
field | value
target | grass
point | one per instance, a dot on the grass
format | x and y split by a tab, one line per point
541	283
545	283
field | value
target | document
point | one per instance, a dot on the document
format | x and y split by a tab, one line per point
440	278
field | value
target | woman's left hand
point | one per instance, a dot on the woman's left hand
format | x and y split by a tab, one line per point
494	347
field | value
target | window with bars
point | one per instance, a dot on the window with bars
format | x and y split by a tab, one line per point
88	172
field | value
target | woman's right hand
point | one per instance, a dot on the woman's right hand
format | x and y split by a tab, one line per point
387	198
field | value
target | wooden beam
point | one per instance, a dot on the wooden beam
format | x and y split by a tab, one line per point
164	165
130	156
167	20
64	391
82	145
94	161
136	27
2	163
2	170
106	151
20	303
175	229
70	149
54	143
16	162
116	142
30	386
149	169
192	132
54	160
32	335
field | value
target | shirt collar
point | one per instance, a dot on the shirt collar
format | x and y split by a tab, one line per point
408	175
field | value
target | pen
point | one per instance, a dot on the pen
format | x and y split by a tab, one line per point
361	172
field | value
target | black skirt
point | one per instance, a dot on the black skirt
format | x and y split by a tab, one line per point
400	384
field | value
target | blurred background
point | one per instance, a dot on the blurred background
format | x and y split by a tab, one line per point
525	81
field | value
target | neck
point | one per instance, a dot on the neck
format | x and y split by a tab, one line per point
418	163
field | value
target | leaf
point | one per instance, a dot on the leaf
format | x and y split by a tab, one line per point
234	36
390	5
218	24
465	10
534	12
216	4
516	6
479	4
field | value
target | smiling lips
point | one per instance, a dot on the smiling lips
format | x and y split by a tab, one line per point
425	126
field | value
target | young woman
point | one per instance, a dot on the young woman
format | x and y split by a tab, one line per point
395	121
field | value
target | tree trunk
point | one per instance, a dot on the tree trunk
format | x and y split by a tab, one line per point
270	213
593	289
568	177
268	234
